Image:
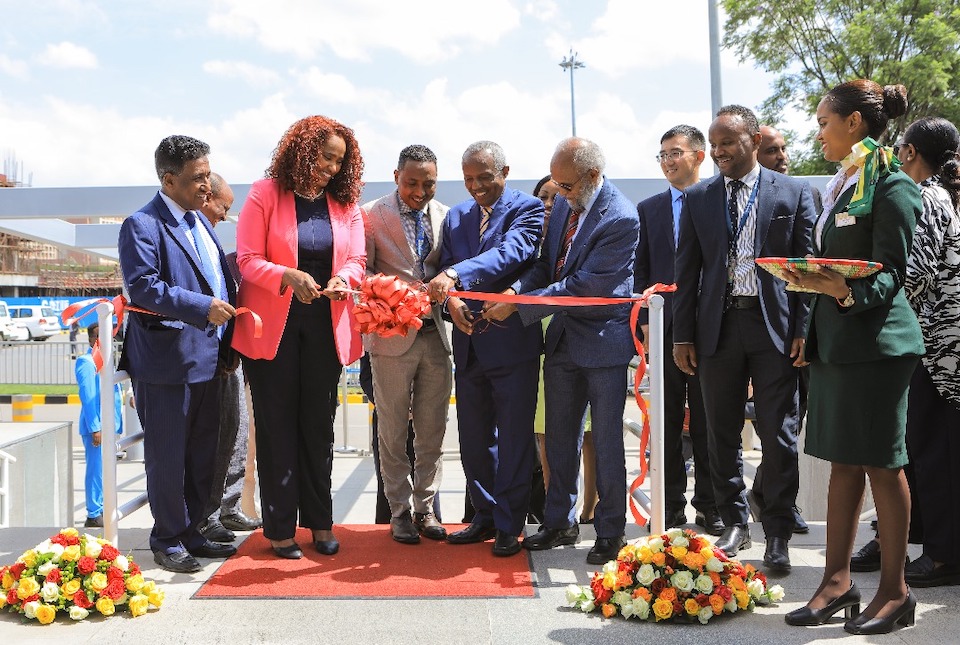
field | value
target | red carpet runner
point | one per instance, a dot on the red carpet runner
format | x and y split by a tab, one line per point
370	565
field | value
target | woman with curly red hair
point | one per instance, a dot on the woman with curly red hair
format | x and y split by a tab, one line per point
299	245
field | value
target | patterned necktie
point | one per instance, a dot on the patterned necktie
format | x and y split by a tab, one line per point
734	206
567	242
484	219
421	242
206	262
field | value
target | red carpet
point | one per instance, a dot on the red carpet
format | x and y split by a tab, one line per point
370	564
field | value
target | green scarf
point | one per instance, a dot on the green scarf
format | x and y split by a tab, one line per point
875	161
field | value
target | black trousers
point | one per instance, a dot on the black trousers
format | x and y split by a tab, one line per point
933	445
294	403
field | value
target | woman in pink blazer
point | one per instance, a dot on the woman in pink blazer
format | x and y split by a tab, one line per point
299	244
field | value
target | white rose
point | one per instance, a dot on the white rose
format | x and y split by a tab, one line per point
45	547
703	583
574	594
641	608
705	614
731	605
714	565
30	609
776	593
78	613
656	545
610	567
755	588
680	540
93	547
646	574
674	533
121	562
626	609
57	551
682	580
50	592
587	607
46	568
621	598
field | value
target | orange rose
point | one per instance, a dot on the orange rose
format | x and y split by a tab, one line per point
716	578
642	592
691	606
736	583
716	603
694	561
669	594
659	559
609	610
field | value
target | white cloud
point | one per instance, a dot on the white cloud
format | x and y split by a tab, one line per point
68	55
425	31
249	73
13	67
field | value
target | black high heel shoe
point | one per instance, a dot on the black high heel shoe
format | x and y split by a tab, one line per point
327	547
849	602
290	552
905	615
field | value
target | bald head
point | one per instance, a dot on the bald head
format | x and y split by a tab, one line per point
773	150
219	201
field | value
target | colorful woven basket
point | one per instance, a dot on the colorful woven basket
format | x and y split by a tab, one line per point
849	269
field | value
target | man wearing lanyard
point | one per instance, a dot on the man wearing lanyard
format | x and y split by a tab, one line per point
734	323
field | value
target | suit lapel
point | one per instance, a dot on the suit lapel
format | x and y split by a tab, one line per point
766	198
179	236
394	226
587	226
661	227
842	202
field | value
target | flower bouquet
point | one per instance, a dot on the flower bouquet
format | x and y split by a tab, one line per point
677	575
75	574
388	306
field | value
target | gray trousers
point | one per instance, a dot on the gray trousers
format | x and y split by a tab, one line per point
231	462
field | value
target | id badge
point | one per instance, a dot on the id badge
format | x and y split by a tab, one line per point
844	219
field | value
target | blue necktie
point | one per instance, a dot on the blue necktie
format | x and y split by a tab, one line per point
206	262
421	242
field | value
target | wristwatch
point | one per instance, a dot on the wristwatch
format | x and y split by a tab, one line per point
849	301
451	273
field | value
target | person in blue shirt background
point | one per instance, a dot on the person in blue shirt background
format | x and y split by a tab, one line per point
89	382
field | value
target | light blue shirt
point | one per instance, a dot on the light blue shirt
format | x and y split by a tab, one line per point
676	202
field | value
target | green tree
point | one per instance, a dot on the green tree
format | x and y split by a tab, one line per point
813	45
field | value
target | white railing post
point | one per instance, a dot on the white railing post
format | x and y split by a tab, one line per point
655	410
345	404
108	424
5	461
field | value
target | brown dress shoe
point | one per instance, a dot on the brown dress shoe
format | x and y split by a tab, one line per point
404	530
429	527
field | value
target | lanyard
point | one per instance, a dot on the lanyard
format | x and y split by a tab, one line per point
744	215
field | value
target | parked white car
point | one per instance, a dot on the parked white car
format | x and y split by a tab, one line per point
41	322
9	330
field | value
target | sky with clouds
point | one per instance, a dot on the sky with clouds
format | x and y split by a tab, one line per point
88	89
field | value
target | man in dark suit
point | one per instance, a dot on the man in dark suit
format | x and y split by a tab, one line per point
173	266
487	242
589	250
681	153
733	322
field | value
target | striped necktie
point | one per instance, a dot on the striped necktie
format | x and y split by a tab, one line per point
485	219
567	242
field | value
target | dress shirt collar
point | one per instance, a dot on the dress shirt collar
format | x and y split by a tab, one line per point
175	208
594	196
675	194
749	179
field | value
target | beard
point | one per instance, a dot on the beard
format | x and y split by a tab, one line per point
588	188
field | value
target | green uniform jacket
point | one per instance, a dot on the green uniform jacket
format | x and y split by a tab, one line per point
881	324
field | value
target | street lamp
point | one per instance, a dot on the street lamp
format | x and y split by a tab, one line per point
571	63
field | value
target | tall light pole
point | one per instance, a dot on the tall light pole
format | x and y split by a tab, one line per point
570	63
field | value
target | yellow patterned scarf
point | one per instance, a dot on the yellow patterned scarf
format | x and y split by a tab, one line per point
874	161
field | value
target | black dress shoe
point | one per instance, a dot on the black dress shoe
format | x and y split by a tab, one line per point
849	602
404	530
867	558
213	550
214	531
94	522
924	572
178	562
904	615
675	518
548	538
240	522
476	532
734	539
799	525
776	557
290	552
327	547
605	549
505	544
710	522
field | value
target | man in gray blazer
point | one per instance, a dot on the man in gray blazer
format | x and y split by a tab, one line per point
411	374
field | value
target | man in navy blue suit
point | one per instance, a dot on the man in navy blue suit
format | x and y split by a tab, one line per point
589	250
682	150
174	267
487	242
734	322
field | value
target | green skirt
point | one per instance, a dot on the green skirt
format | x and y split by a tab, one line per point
857	412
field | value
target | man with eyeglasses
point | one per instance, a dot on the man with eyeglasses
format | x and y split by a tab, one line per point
734	323
682	150
589	250
486	243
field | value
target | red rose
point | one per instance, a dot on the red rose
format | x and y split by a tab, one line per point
695	545
703	600
72	539
80	599
724	592
114	590
60	539
114	573
133	569
658	585
762	578
86	565
600	593
12	597
109	553
17	570
32	598
54	576
677	608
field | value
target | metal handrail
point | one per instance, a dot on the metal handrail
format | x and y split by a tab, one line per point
5	459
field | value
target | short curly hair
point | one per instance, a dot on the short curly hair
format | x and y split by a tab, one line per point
293	163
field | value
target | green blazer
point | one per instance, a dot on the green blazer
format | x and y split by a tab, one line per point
881	324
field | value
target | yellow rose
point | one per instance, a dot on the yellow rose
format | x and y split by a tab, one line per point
69	589
70	532
662	609
148	587
98	581
678	552
46	614
706	552
138	605
71	553
28	587
7	581
645	555
3	601
105	606
743	599
609	580
692	606
156	597
135	583
29	558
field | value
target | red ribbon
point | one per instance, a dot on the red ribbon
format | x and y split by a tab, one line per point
121	306
579	301
388	306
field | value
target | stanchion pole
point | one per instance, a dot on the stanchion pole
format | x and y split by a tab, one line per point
108	425
344	394
655	409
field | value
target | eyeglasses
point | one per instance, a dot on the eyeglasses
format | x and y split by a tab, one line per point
896	148
675	155
567	187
